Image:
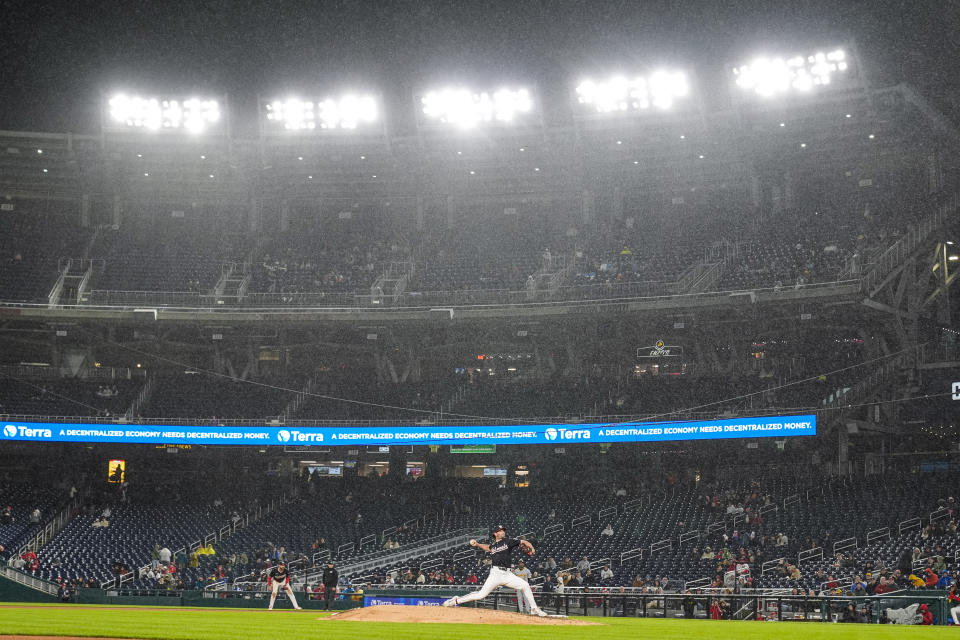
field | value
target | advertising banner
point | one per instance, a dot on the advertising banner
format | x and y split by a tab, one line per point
767	427
372	601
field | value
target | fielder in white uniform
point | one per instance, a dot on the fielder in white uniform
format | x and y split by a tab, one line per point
279	576
500	574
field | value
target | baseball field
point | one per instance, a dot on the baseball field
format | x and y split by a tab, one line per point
184	623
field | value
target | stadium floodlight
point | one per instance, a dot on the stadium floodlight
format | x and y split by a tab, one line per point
194	115
345	112
466	109
769	77
659	90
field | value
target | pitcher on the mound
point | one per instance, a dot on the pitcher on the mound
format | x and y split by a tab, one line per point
500	575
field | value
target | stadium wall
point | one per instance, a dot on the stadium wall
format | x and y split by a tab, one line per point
11	591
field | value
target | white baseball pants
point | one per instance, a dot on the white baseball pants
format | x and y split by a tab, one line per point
501	578
286	587
955	612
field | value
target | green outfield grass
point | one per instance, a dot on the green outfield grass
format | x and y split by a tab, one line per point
185	623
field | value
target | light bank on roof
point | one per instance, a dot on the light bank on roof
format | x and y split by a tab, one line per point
463	108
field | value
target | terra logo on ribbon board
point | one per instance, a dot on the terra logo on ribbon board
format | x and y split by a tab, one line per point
298	436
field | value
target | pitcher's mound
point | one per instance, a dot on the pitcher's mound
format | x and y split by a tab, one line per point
449	615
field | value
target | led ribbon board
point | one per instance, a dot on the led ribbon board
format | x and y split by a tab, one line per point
768	427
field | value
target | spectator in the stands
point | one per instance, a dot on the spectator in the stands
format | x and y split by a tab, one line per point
905	564
884	585
606	574
522	571
939	564
7	516
35	516
607	531
584	565
946	580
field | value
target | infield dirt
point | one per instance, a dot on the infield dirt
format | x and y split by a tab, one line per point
455	615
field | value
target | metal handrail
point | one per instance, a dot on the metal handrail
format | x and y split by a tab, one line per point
30	581
413	301
878	534
905	246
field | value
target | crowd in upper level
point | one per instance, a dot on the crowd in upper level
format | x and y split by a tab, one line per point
345	256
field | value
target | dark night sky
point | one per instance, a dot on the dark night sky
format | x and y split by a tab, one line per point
58	56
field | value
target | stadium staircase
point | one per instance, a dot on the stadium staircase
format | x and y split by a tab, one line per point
141	399
21	534
232	286
71	285
389	287
17	586
50	529
888	265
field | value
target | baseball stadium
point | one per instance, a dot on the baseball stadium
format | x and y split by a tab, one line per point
376	320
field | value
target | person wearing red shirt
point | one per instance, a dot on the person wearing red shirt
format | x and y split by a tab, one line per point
716	613
925	613
472	578
882	588
953	601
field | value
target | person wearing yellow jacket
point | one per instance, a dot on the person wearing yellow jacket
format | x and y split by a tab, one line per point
916	581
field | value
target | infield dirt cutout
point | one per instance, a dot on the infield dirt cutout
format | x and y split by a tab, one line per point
453	615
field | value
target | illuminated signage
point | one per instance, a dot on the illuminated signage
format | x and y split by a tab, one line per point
778	426
117	471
